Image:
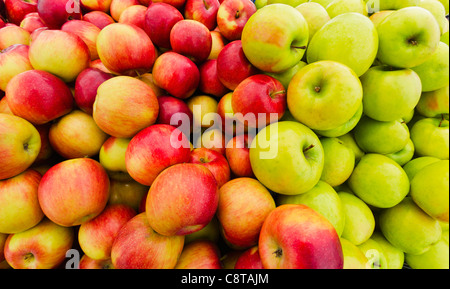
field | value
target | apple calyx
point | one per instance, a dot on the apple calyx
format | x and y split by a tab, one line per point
28	257
278	253
204	160
413	41
237	15
317	89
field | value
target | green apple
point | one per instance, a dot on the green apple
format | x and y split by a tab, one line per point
409	228
349	140
324	95
354	258
285	76
415	165
407	37
344	128
275	37
437	257
293	3
430	190
287	157
359	219
379	181
437	9
431	137
349	38
390	93
445	3
404	155
383	137
112	157
339	161
408	117
374	253
260	3
434	72
379	16
434	103
338	7
397	4
394	256
315	14
324	3
444	38
324	200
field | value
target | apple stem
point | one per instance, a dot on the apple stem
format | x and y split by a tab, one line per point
237	14
308	148
298	47
277	92
206	5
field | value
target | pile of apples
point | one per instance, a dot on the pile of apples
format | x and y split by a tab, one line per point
224	134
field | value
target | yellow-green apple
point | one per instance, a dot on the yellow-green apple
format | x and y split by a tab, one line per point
96	236
434	103
175	3
409	228
431	137
138	246
218	43
179	210
203	11
204	110
438	10
12	34
86	188
380	83
412	167
88	32
324	200
232	65
174	111
394	256
60	53
19	146
434	72
19	205
354	258
201	254
339	161
13	60
285	77
154	149
275	43
446	4
209	80
125	105
86	85
52	100
225	111
344	128
112	157
437	257
403	49
315	15
444	37
272	152
375	254
232	16
404	155
296	236
159	20
293	3
338	7
397	4
176	74
237	152
260	3
55	13
359	219
76	135
430	191
126	49
210	232
214	161
43	246
249	259
359	39
96	5
259	95
382	137
191	39
212	138
89	263
98	18
244	204
134	15
18	9
379	16
117	7
130	193
324	95
31	22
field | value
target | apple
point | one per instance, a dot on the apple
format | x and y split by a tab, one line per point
86	188
209	80
118	6
96	5
212	138
192	39
88	32
238	155
215	162
98	18
19	146
397	4
354	258
55	13
43	246
394	256
375	254
230	258
138	246
173	111
379	16
148	79
175	3
134	15
232	16
179	210
404	155
249	259
13	60
203	11
339	161
126	49
18	9
46	151
280	52
154	149
233	66
125	105
406	50
218	43
315	15
296	236
244	204
431	137
159	21
12	34
4	108
204	111
210	232
31	22
99	65
89	263
96	236
201	254
412	167
438	10
86	85
286	76
343	128
112	157
338	7
52	100
177	74
225	110
435	258
2	23
129	192
434	103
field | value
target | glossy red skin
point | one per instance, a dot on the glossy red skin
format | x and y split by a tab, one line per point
18	9
249	259
168	107
98	18
204	11
209	80
134	15
238	12
54	13
238	156
214	161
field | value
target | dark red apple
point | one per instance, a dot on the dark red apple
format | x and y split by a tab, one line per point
55	13
173	111
249	259
209	80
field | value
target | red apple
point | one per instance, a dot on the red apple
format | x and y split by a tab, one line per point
88	32
232	65
126	49
89	263
261	96
182	200
118	6
297	237
232	17
55	13
31	22
215	162
175	3
204	11
74	191
86	86
159	20
2	23
12	34
98	18
98	64
96	236
13	60
134	15
237	153
174	111
154	149
177	74
4	108
138	246
209	80
200	254
18	9
38	96
96	5
249	259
